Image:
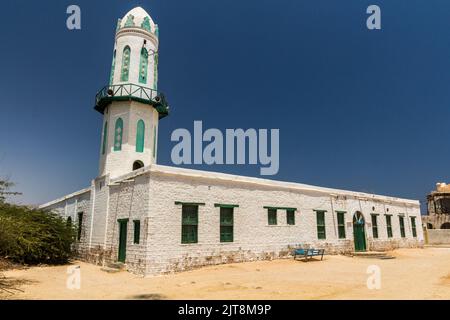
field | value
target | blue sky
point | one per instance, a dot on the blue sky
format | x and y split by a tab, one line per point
357	109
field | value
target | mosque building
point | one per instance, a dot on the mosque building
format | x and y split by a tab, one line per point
157	219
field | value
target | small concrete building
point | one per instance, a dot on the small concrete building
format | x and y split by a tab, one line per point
158	219
438	213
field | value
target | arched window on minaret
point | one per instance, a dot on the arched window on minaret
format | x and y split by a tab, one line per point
105	137
125	64
143	66
111	79
155	72
118	133
140	133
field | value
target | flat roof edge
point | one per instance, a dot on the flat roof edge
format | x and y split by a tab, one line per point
275	183
64	198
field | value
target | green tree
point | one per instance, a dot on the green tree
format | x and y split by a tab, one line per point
32	236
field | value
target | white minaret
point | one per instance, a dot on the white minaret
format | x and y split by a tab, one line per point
130	104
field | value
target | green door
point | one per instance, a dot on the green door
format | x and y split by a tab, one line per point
358	232
123	240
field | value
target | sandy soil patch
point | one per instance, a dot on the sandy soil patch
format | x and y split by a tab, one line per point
414	274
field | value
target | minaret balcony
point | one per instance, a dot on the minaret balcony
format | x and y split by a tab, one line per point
131	92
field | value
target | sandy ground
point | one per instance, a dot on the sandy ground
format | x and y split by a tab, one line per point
414	274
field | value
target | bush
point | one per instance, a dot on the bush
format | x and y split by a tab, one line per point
34	236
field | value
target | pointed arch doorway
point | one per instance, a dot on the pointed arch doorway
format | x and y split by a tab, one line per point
359	234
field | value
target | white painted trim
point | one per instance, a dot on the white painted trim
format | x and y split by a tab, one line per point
106	216
92	212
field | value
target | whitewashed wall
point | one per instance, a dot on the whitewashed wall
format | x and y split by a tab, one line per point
253	237
149	195
129	200
117	163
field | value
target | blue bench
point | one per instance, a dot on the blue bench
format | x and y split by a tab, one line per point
309	253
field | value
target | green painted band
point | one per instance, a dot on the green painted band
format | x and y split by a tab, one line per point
190	203
221	205
280	208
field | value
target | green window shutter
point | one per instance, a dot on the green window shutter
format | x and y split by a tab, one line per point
272	216
374	226
389	226
321	233
140	134
105	137
226	216
143	66
113	66
226	234
118	134
413	227
125	64
137	231
341	225
226	224
189	224
290	217
189	234
402	226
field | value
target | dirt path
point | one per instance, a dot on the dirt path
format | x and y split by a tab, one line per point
414	274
